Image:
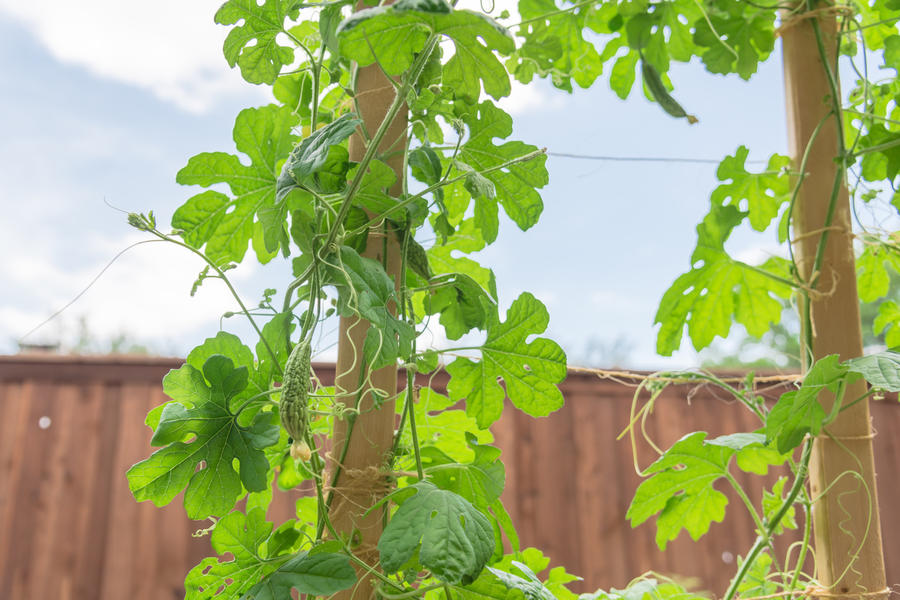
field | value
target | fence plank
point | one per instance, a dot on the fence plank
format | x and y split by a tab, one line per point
65	507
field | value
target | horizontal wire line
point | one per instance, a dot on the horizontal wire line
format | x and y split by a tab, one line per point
705	161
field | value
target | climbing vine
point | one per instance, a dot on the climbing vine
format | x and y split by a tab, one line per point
574	42
293	190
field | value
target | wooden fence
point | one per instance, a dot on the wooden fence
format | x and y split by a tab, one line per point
70	529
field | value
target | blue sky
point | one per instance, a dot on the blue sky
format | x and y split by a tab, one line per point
108	103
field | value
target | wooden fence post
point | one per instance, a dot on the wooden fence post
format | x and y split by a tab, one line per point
360	482
849	557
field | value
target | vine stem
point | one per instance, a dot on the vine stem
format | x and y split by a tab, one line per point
804	547
410	407
762	540
757	520
223	277
796	192
249	400
372	148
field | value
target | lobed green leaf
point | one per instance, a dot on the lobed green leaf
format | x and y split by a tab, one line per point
216	439
260	62
719	289
394	34
529	370
225	228
680	488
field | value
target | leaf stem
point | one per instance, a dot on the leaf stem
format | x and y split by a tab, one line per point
862	397
251	399
411	359
788	282
228	283
757	520
799	482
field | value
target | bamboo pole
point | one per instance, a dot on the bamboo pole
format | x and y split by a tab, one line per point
849	557
360	481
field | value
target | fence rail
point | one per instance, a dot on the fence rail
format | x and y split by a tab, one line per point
70	529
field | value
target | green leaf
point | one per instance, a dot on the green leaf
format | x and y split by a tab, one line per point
645	588
454	540
737	37
462	303
530	586
231	346
553	45
438	426
443	258
366	290
881	370
295	90
313	574
260	62
761	195
516	186
313	153
480	481
753	455
217	441
622	76
872	276
799	412
241	536
888	322
515	576
265	136
201	215
718	290
680	488
771	504
530	370
425	165
275	336
374	194
187	385
394	34
884	163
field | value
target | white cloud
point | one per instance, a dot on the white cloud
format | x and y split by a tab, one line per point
143	294
536	96
173	48
759	253
169	47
